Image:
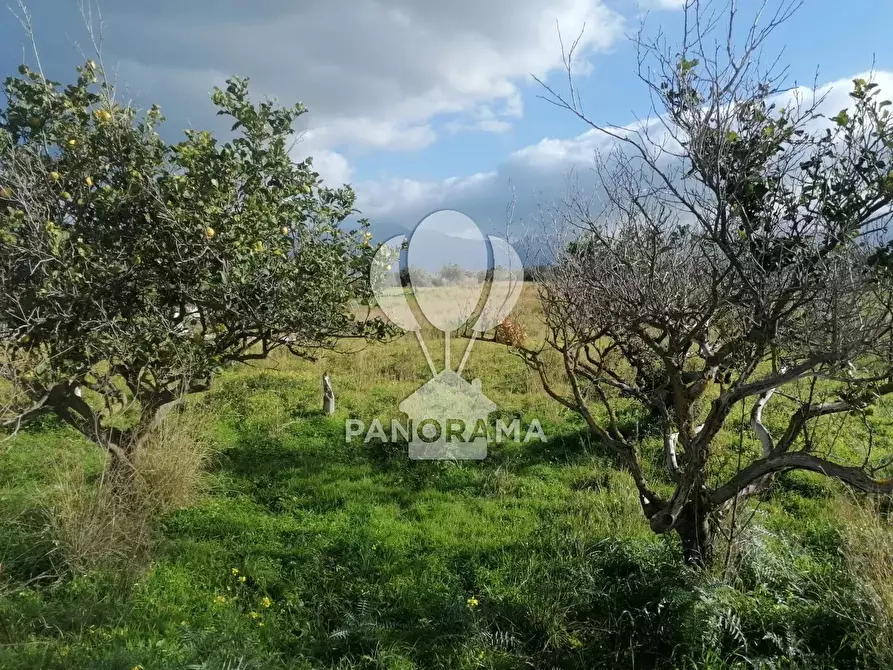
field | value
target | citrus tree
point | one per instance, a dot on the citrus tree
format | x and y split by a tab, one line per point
132	269
737	279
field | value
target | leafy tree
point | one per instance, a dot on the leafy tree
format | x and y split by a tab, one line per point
742	255
131	269
452	273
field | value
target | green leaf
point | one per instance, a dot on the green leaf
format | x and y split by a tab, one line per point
687	66
842	119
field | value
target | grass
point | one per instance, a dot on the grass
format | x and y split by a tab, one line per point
308	552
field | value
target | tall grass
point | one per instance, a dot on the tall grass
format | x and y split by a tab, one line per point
868	548
97	522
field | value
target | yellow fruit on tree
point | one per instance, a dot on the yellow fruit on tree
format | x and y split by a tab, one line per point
55	176
209	232
284	230
306	188
66	195
88	181
72	143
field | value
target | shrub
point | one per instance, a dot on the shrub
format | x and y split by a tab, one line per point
510	333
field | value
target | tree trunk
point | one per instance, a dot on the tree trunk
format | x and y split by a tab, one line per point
120	471
328	396
697	534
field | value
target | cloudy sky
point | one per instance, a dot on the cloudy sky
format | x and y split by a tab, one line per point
423	104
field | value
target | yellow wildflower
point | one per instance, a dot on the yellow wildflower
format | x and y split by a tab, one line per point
266	602
242	579
472	602
235	571
254	615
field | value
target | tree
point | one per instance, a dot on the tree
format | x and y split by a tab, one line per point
741	254
415	276
132	270
452	273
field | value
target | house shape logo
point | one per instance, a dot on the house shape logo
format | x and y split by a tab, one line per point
445	414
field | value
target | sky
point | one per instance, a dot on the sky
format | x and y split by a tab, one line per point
425	104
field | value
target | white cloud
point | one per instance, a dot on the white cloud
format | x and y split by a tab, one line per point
374	73
538	173
405	201
333	167
668	4
490	118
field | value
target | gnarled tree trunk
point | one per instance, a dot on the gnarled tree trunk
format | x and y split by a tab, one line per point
697	532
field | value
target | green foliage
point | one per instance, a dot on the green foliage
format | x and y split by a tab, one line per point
536	557
452	273
135	269
761	265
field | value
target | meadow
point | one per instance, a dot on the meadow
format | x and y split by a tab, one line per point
264	540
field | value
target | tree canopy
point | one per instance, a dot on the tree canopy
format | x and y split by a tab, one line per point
132	269
741	252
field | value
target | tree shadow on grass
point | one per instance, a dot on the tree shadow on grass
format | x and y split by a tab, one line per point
256	452
313	456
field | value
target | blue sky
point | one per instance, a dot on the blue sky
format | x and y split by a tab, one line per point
837	39
422	105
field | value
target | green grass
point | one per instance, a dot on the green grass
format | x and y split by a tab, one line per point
537	557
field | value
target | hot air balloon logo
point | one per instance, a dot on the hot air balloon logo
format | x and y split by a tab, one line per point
480	280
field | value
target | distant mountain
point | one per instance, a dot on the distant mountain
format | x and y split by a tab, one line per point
432	249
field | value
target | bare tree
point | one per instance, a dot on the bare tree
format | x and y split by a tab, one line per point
739	252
